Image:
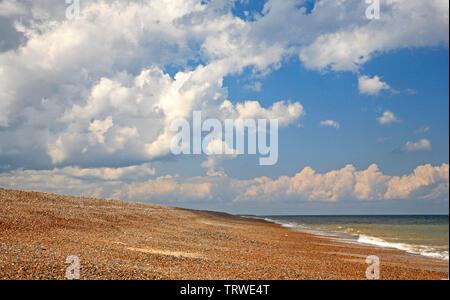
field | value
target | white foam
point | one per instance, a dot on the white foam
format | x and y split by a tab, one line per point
282	224
365	239
413	249
306	229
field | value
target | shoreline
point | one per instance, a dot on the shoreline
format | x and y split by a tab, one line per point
123	240
359	239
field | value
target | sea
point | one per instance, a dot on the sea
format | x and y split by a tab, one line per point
421	235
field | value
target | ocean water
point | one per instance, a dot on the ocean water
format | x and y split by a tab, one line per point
422	235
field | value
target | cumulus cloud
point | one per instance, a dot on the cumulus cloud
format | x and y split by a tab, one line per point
285	112
354	41
99	128
124	173
95	182
423	129
422	145
218	151
426	182
255	86
95	95
371	86
77	91
112	62
348	183
388	118
11	8
330	123
167	189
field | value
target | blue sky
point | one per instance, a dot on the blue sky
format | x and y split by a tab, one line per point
335	96
332	95
86	102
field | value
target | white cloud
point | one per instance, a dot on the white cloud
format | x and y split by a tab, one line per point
11	8
371	86
57	151
422	145
347	184
423	129
109	174
95	182
255	86
110	62
330	123
419	181
214	160
285	112
93	92
99	128
168	189
411	92
388	118
353	41
69	78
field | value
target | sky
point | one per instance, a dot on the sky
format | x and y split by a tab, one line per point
86	102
